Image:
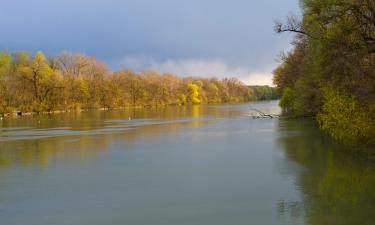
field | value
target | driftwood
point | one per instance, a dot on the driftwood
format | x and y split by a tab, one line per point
262	115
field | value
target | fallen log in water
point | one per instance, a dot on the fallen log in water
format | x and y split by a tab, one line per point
262	115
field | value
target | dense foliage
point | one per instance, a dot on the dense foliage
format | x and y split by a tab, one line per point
261	93
70	81
330	73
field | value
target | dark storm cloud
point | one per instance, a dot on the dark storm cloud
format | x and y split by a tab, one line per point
190	36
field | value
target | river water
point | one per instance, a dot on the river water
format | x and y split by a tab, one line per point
198	165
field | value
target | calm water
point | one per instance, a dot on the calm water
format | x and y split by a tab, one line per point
202	165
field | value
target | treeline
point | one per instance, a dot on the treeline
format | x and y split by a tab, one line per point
71	81
330	73
261	93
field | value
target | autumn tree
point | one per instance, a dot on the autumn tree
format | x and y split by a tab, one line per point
5	100
72	81
41	80
193	93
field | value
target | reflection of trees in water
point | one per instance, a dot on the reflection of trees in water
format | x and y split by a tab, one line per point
42	151
337	187
88	134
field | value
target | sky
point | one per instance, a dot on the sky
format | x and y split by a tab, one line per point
209	38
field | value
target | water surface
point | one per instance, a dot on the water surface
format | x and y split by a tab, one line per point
201	165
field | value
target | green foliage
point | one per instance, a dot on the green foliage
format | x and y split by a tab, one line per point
5	63
330	72
344	118
262	93
287	100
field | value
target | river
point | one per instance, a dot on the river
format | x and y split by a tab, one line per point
198	165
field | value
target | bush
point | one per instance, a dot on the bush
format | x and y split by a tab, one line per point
345	119
287	101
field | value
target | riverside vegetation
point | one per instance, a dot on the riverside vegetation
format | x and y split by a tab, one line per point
71	81
330	73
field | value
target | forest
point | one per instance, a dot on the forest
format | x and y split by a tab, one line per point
264	93
330	73
72	81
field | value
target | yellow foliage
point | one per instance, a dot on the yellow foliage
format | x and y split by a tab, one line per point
194	93
345	119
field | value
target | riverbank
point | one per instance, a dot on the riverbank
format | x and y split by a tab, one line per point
19	113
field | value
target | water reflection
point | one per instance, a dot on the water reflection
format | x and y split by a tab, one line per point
40	139
180	165
337	187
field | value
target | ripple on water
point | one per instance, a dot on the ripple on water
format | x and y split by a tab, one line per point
108	127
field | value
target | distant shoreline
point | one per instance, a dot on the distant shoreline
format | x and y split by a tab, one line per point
19	114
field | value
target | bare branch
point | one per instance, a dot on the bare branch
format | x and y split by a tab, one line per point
293	25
